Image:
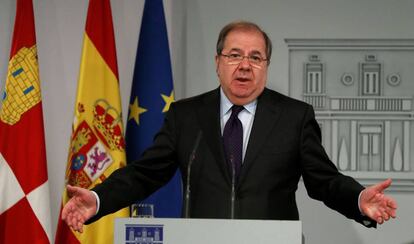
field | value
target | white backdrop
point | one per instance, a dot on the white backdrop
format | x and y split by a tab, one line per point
193	29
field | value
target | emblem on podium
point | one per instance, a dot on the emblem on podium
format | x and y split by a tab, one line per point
144	234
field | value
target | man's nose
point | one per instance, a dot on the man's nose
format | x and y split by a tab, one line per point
245	63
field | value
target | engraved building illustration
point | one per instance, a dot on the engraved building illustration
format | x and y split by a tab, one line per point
143	234
362	92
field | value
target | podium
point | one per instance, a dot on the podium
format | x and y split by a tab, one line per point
206	231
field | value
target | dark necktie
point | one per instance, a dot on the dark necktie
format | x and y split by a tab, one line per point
233	140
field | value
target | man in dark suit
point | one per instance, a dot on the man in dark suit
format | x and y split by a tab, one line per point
253	145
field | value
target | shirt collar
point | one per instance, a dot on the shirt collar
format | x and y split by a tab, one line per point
225	105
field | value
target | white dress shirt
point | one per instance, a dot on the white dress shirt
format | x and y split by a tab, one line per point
246	116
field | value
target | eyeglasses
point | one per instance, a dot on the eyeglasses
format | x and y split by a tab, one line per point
236	59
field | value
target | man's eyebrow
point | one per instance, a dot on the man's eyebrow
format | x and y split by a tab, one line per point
254	52
234	49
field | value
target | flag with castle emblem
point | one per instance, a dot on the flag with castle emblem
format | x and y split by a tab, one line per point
97	145
151	96
24	189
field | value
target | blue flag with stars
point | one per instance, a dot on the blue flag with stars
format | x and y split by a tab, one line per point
151	96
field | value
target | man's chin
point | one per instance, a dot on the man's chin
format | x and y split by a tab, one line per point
241	92
242	98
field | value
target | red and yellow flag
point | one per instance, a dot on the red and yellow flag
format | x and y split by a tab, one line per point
97	145
24	190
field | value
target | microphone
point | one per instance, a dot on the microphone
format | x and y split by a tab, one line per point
187	188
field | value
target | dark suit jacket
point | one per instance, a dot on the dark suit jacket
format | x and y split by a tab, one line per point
284	144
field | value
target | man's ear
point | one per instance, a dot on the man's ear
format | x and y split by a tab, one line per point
217	64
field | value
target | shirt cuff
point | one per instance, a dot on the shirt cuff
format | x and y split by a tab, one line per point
98	202
359	203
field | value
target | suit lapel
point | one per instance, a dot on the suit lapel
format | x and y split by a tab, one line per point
208	114
267	114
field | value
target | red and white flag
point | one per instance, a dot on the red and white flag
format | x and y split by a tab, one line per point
24	190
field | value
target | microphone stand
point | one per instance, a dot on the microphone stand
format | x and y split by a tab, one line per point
187	188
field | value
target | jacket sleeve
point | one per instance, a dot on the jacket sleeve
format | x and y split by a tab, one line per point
322	179
141	178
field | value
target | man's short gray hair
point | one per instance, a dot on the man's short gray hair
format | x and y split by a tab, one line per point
243	25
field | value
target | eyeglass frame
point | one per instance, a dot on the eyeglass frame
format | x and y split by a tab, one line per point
237	62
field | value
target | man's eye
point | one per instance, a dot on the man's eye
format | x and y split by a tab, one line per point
234	55
255	58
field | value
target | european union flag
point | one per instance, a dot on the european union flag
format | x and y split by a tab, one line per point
151	96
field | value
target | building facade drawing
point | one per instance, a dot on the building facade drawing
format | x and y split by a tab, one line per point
362	92
144	234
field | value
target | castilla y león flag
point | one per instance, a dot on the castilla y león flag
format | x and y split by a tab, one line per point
97	145
24	190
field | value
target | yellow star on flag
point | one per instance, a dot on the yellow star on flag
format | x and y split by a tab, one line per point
135	110
168	100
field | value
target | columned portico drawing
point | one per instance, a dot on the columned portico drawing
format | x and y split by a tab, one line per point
362	91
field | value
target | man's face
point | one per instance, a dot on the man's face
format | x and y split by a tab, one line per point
243	82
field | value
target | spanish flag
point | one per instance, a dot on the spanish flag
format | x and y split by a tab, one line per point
24	190
97	145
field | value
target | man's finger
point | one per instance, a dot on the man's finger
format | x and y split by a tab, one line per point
64	214
385	216
71	222
380	187
380	220
79	227
392	213
392	204
69	191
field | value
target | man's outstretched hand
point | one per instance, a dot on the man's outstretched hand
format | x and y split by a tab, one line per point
79	208
376	205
